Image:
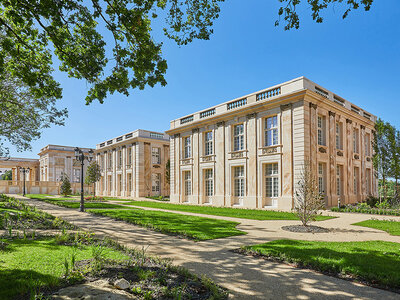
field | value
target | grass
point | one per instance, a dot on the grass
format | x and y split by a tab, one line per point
72	202
253	214
198	228
377	262
391	227
31	264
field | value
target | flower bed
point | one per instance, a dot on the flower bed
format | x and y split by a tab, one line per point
368	210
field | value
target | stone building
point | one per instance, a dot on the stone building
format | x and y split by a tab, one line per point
250	151
14	164
133	165
56	160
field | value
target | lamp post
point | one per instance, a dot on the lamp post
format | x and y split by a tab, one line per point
80	156
24	171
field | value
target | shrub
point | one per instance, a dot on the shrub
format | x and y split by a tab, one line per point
383	204
372	201
65	185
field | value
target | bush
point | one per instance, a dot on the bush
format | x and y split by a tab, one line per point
372	201
383	204
65	188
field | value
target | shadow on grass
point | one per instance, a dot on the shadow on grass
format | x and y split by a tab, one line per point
376	262
21	284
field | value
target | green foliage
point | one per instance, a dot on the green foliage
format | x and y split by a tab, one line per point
289	10
7	175
76	30
65	188
391	227
168	171
93	173
376	262
367	210
252	214
198	228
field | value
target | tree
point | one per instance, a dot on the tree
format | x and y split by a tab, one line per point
65	188
382	158
93	174
7	175
308	200
76	32
291	17
24	114
168	171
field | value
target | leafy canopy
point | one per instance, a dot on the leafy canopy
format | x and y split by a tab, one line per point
70	29
291	17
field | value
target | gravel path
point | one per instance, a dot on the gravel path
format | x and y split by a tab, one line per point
244	276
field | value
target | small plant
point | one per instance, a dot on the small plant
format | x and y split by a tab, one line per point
363	205
33	234
66	266
308	200
383	205
65	188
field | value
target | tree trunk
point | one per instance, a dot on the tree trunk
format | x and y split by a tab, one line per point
94	189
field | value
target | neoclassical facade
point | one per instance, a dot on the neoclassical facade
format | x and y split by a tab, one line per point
56	160
134	165
250	151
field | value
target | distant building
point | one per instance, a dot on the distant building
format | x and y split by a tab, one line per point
250	151
56	160
133	165
14	164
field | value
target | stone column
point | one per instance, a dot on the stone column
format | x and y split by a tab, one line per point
363	171
332	159
196	171
350	154
123	179
313	140
252	172
287	159
219	176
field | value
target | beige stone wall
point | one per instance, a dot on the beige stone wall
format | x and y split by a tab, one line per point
39	187
135	179
297	145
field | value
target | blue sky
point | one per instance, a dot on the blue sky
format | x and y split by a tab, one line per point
357	58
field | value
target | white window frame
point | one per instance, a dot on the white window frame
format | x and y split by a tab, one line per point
356	184
156	183
238	137
119	156
321	124
156	155
129	179
187	183
339	180
356	140
187	147
239	185
208	183
368	144
208	143
129	156
271	179
271	133
339	135
322	178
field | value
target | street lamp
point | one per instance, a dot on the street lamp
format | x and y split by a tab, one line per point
24	171
80	156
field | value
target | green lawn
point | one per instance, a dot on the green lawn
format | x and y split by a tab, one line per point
27	265
72	202
391	227
373	261
198	228
253	214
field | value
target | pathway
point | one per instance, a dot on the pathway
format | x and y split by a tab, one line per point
246	277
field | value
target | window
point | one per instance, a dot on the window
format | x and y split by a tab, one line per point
187	183
59	173
155	154
339	136
208	143
367	144
208	182
129	179
271	180
238	137
356	180
355	140
156	182
101	162
119	182
187	153
339	172
119	159
109	160
321	178
321	131
77	175
271	131
129	158
238	173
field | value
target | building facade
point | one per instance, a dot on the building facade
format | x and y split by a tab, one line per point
134	165
15	164
251	151
56	160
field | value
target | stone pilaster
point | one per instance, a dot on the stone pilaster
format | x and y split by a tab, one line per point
219	176
333	197
287	152
251	139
